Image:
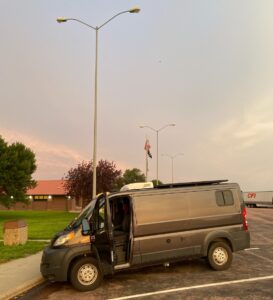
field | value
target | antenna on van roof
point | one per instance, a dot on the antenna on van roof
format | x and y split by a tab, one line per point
193	183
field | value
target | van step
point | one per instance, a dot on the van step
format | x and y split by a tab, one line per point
123	266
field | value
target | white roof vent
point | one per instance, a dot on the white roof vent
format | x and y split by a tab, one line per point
137	186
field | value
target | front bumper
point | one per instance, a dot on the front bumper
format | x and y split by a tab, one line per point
56	261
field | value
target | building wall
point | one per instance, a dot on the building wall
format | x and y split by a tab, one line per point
38	205
57	203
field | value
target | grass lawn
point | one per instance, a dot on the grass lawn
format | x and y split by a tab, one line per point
41	224
12	252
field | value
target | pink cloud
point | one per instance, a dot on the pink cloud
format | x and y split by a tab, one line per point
53	160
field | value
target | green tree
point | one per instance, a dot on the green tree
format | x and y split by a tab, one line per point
154	181
17	164
133	175
79	180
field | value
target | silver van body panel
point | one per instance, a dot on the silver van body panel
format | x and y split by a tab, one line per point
180	222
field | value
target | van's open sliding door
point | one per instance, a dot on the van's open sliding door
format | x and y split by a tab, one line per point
109	230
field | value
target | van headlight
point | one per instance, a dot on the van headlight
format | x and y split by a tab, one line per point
63	239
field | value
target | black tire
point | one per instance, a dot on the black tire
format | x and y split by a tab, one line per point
219	256
85	274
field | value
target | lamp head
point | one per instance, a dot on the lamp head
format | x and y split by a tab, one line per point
134	10
61	20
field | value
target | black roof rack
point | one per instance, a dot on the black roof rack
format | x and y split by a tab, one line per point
194	183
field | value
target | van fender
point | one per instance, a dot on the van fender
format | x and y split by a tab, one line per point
73	254
65	256
216	236
90	251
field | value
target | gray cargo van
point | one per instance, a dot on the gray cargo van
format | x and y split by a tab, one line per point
137	228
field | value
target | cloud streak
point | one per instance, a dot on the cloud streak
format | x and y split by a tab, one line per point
53	160
247	130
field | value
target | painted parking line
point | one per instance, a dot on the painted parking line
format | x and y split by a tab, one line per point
194	287
261	257
249	249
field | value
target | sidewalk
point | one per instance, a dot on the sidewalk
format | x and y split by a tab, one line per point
20	275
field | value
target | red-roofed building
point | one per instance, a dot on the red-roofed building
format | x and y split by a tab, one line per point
48	187
47	195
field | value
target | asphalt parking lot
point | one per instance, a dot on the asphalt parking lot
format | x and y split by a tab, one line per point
250	276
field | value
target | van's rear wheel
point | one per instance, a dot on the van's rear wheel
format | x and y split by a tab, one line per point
220	256
85	274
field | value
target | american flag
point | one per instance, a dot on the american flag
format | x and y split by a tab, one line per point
147	147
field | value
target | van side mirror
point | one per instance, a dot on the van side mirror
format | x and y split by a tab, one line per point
86	230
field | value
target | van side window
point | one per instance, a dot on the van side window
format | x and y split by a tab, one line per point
224	198
99	216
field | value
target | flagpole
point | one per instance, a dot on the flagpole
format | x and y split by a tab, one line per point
147	168
146	162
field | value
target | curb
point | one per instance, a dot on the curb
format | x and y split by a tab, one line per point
30	240
22	288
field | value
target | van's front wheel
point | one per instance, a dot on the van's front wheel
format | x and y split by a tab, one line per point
219	256
85	274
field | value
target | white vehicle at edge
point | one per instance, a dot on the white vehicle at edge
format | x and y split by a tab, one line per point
258	199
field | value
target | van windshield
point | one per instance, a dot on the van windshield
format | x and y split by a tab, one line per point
86	213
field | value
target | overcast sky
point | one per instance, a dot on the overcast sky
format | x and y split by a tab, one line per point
205	65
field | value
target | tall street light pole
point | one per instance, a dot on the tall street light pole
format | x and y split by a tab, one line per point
172	157
97	28
157	132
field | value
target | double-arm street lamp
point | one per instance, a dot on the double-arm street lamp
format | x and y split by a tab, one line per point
172	157
157	131
97	28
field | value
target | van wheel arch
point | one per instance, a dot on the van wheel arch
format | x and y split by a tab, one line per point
225	240
220	237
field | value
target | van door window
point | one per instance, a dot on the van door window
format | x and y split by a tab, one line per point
99	215
224	198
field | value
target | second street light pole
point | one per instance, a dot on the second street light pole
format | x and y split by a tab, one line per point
172	157
62	20
157	131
